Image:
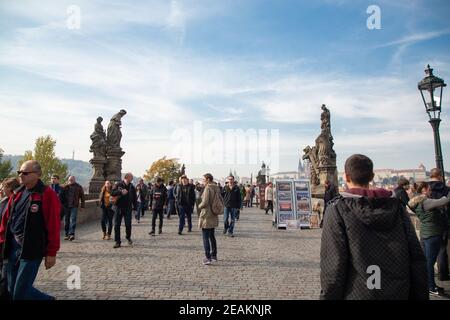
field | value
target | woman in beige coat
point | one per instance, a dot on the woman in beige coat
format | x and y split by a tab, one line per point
208	221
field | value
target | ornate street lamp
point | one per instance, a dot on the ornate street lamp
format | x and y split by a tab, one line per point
431	90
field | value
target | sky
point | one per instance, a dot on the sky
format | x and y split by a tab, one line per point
196	76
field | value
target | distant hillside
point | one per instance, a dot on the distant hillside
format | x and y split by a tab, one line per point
82	170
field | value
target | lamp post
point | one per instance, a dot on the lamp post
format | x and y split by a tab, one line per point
431	90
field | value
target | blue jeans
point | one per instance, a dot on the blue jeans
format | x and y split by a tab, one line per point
229	213
21	275
431	246
126	215
171	209
209	243
185	212
140	210
70	222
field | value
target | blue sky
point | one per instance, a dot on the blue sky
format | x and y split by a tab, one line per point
229	64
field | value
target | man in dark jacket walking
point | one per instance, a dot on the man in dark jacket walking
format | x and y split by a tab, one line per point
186	202
159	203
400	191
232	201
369	247
55	186
71	196
439	190
125	195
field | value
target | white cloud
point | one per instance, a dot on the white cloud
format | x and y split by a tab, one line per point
163	88
416	37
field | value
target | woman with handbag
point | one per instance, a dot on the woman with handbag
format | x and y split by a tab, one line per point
108	213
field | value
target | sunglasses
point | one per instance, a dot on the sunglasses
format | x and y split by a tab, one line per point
25	173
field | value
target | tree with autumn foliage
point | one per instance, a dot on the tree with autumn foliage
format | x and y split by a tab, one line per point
44	153
167	169
5	167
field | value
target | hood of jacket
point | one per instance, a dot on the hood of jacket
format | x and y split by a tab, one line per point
375	208
414	202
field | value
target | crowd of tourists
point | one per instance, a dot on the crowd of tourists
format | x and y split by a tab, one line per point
32	214
365	229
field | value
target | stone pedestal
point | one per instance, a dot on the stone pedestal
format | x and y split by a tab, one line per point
325	173
113	167
98	178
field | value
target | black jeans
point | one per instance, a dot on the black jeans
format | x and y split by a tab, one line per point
126	215
442	261
269	206
209	243
156	213
107	220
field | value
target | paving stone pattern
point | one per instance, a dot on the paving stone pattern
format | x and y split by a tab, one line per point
261	262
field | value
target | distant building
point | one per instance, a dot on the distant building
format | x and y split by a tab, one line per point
244	180
303	169
390	176
285	175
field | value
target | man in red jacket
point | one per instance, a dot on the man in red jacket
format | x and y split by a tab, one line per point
29	232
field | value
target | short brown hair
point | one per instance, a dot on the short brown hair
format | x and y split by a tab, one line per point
403	182
208	176
11	184
435	173
360	169
422	185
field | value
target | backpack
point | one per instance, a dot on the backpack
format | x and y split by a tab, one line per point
217	206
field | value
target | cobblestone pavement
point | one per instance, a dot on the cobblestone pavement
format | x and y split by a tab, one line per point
259	263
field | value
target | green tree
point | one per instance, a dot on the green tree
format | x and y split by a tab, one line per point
44	153
5	167
167	169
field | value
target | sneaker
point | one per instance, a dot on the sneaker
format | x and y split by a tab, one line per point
180	233
159	231
438	291
71	238
104	235
152	233
108	237
206	262
130	242
117	245
225	231
213	259
66	237
231	235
